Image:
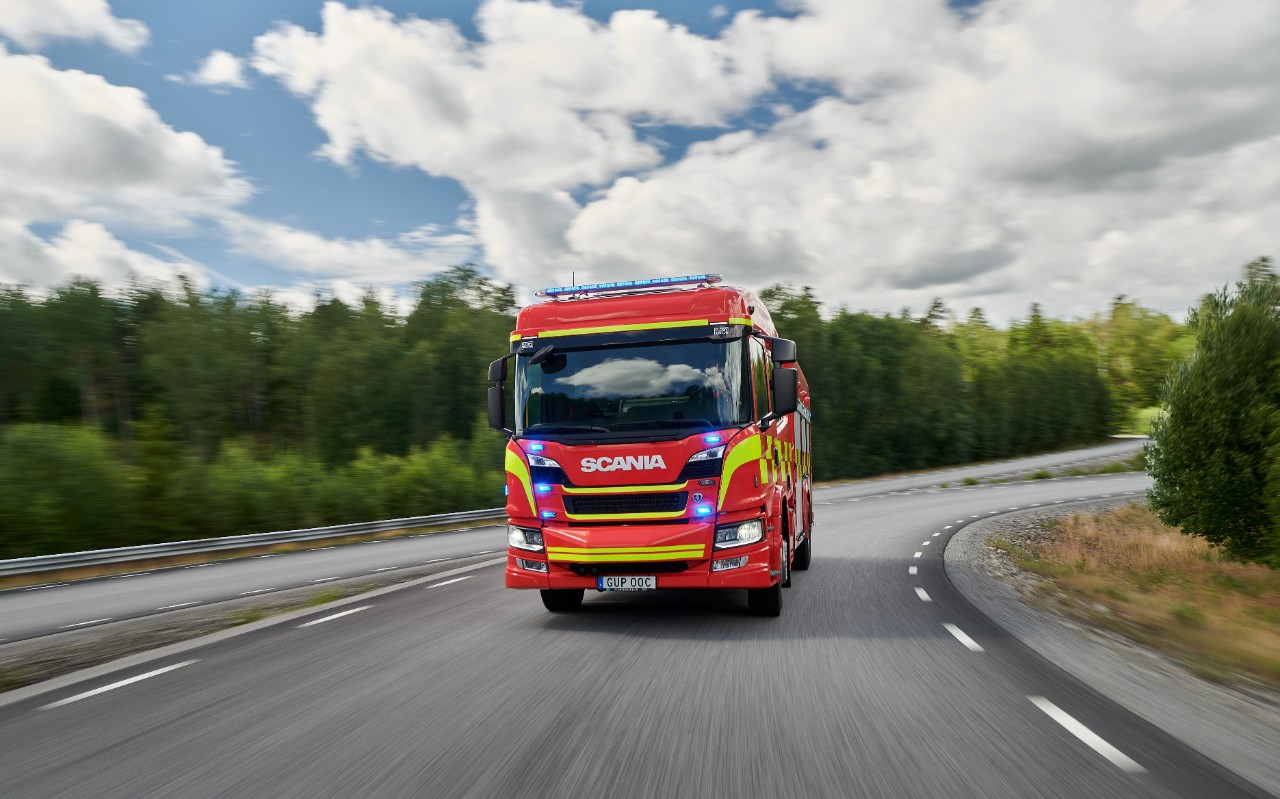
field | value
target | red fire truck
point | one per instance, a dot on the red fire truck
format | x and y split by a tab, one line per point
661	440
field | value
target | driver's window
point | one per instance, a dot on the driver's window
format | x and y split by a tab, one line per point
760	370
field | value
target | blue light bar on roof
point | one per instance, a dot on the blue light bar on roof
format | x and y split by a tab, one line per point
627	285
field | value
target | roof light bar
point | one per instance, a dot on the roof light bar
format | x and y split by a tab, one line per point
628	285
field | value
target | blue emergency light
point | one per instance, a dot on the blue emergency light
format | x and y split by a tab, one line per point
629	285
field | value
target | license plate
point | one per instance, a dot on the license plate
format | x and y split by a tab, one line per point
626	582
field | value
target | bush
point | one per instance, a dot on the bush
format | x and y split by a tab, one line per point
1215	453
62	490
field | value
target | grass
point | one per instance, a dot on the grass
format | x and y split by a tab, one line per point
1139	423
1041	474
970	481
1173	592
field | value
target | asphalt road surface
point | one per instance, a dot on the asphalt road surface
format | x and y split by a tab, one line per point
877	680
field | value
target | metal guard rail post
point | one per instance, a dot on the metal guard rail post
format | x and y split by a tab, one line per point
43	563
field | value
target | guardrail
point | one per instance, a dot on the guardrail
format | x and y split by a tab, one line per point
44	563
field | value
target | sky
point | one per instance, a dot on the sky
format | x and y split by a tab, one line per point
884	152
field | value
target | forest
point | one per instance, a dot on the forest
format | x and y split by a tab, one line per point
158	414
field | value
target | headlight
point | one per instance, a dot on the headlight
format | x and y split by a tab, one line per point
708	454
735	535
521	538
538	460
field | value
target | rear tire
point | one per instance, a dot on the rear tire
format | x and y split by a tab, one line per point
562	600
768	601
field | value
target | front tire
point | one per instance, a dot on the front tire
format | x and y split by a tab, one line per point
768	601
804	553
562	600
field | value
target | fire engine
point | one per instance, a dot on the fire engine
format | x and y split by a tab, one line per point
661	439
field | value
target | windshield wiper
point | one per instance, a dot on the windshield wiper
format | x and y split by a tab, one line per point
549	427
678	424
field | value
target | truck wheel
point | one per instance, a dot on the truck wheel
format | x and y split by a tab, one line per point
768	601
804	553
559	600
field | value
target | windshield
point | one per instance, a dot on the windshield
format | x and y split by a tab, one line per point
655	387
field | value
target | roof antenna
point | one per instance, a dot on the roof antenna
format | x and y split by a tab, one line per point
573	278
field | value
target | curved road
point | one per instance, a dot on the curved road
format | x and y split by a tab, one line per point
878	680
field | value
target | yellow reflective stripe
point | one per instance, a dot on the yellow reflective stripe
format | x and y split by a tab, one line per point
604	517
582	331
622	550
630	558
736	320
519	468
623	489
516	337
744	452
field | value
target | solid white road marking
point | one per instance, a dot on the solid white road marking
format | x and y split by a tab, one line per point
260	557
450	582
255	591
923	596
911	570
114	685
969	643
1088	736
83	623
179	605
336	616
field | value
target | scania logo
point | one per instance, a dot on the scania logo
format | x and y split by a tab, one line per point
625	464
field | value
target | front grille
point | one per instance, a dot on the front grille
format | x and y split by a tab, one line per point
698	470
671	502
662	567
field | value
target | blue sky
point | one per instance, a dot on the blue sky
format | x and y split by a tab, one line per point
883	153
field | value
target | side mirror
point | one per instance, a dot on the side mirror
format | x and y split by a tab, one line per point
498	369
784	350
498	408
786	389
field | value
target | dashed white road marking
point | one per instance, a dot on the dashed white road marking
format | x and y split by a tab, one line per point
199	565
383	569
179	605
115	685
450	582
42	587
335	616
924	597
1088	736
911	570
260	557
948	527
1013	508
924	544
83	623
324	579
255	591
935	535
918	554
959	521
969	643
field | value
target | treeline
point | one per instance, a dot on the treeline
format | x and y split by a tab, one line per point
901	393
159	415
155	416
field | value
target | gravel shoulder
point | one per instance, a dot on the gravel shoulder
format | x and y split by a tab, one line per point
1238	729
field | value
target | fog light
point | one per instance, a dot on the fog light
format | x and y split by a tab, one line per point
728	563
531	565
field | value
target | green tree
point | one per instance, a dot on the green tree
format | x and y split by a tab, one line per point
1214	452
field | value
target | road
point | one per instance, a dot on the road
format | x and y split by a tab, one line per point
878	680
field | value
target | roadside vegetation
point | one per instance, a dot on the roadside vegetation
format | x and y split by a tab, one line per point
160	415
1126	571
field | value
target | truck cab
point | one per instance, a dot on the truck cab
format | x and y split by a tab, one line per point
661	439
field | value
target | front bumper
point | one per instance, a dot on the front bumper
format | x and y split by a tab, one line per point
697	574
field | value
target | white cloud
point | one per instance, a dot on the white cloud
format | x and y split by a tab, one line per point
718	11
219	70
32	23
415	256
82	249
75	146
